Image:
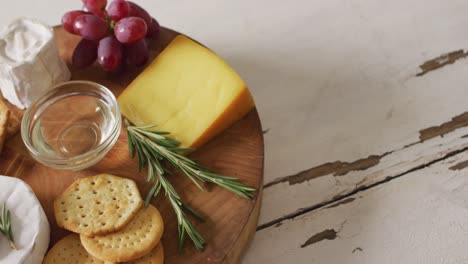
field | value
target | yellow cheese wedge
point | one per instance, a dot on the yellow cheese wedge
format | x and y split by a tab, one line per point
188	91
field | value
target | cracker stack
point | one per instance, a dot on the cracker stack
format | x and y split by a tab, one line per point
113	226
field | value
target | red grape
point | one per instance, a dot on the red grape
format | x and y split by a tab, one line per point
137	53
118	9
109	53
153	29
90	27
138	11
85	53
95	4
97	12
130	29
69	18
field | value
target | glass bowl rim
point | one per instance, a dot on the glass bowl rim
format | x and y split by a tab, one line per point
63	162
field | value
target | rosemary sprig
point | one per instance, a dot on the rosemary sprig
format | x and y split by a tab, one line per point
5	225
152	148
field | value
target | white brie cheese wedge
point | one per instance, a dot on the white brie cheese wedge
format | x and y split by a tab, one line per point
31	231
30	64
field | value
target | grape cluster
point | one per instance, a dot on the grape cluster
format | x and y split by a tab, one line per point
114	36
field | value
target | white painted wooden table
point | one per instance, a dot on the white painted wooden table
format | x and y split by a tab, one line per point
367	120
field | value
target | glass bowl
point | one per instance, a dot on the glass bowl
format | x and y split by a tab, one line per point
73	126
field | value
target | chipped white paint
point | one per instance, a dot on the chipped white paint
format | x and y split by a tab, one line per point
419	218
282	199
334	80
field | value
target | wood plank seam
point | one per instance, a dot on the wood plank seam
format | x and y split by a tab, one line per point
359	189
441	139
411	227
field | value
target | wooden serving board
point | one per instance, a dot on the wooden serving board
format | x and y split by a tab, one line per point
238	151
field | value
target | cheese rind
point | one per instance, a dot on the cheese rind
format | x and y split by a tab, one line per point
30	64
31	230
188	91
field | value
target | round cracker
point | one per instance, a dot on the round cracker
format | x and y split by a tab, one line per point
156	256
70	251
134	241
98	205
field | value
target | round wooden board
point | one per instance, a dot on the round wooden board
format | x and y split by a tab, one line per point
238	151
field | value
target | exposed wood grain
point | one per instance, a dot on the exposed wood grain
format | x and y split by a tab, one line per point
328	234
419	218
460	165
337	168
441	61
238	151
283	201
440	130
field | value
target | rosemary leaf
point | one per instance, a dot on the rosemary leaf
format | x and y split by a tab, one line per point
5	225
152	147
193	212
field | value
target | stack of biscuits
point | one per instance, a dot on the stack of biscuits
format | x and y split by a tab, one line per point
109	222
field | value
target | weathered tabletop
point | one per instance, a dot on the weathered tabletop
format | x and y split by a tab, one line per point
367	156
365	106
